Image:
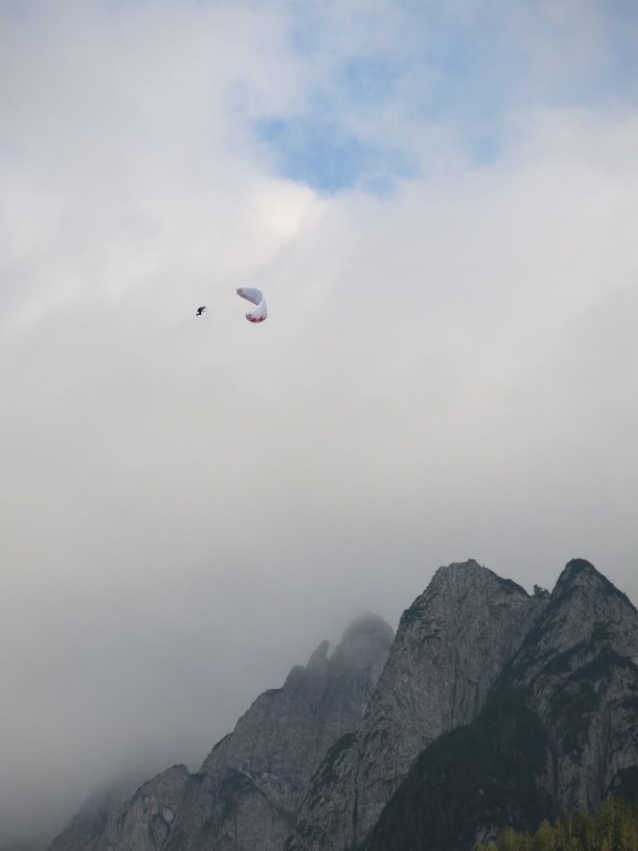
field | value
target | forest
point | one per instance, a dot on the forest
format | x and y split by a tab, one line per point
613	828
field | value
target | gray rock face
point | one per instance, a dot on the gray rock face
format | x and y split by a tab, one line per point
121	818
355	749
326	817
559	730
579	668
451	645
96	817
248	791
146	818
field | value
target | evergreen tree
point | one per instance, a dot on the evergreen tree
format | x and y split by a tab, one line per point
613	828
543	838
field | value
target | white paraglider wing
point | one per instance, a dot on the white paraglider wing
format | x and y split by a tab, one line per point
255	297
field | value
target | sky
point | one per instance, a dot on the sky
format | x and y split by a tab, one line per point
440	203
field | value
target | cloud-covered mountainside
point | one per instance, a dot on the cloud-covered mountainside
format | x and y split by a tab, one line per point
489	707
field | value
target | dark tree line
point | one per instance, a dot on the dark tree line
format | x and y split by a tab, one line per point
613	828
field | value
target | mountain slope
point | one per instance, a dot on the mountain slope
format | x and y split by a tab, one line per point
248	790
95	818
559	730
491	707
450	647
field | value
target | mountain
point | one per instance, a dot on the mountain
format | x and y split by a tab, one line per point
558	732
450	647
247	792
490	707
96	818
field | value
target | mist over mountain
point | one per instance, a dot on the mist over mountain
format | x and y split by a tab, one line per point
490	707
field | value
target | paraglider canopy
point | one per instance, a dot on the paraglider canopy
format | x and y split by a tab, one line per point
255	297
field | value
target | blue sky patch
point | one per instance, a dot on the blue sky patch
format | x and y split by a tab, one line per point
370	79
328	159
464	74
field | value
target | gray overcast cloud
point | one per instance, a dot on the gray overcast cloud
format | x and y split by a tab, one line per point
448	369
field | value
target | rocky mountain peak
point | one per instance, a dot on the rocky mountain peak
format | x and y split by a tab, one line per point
579	575
451	574
365	643
360	655
451	645
578	670
584	610
370	626
319	659
248	791
457	582
562	718
491	706
310	681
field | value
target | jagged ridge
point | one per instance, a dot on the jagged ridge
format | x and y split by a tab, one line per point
495	707
559	730
248	790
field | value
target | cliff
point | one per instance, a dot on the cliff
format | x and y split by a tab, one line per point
559	730
450	647
490	707
247	792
